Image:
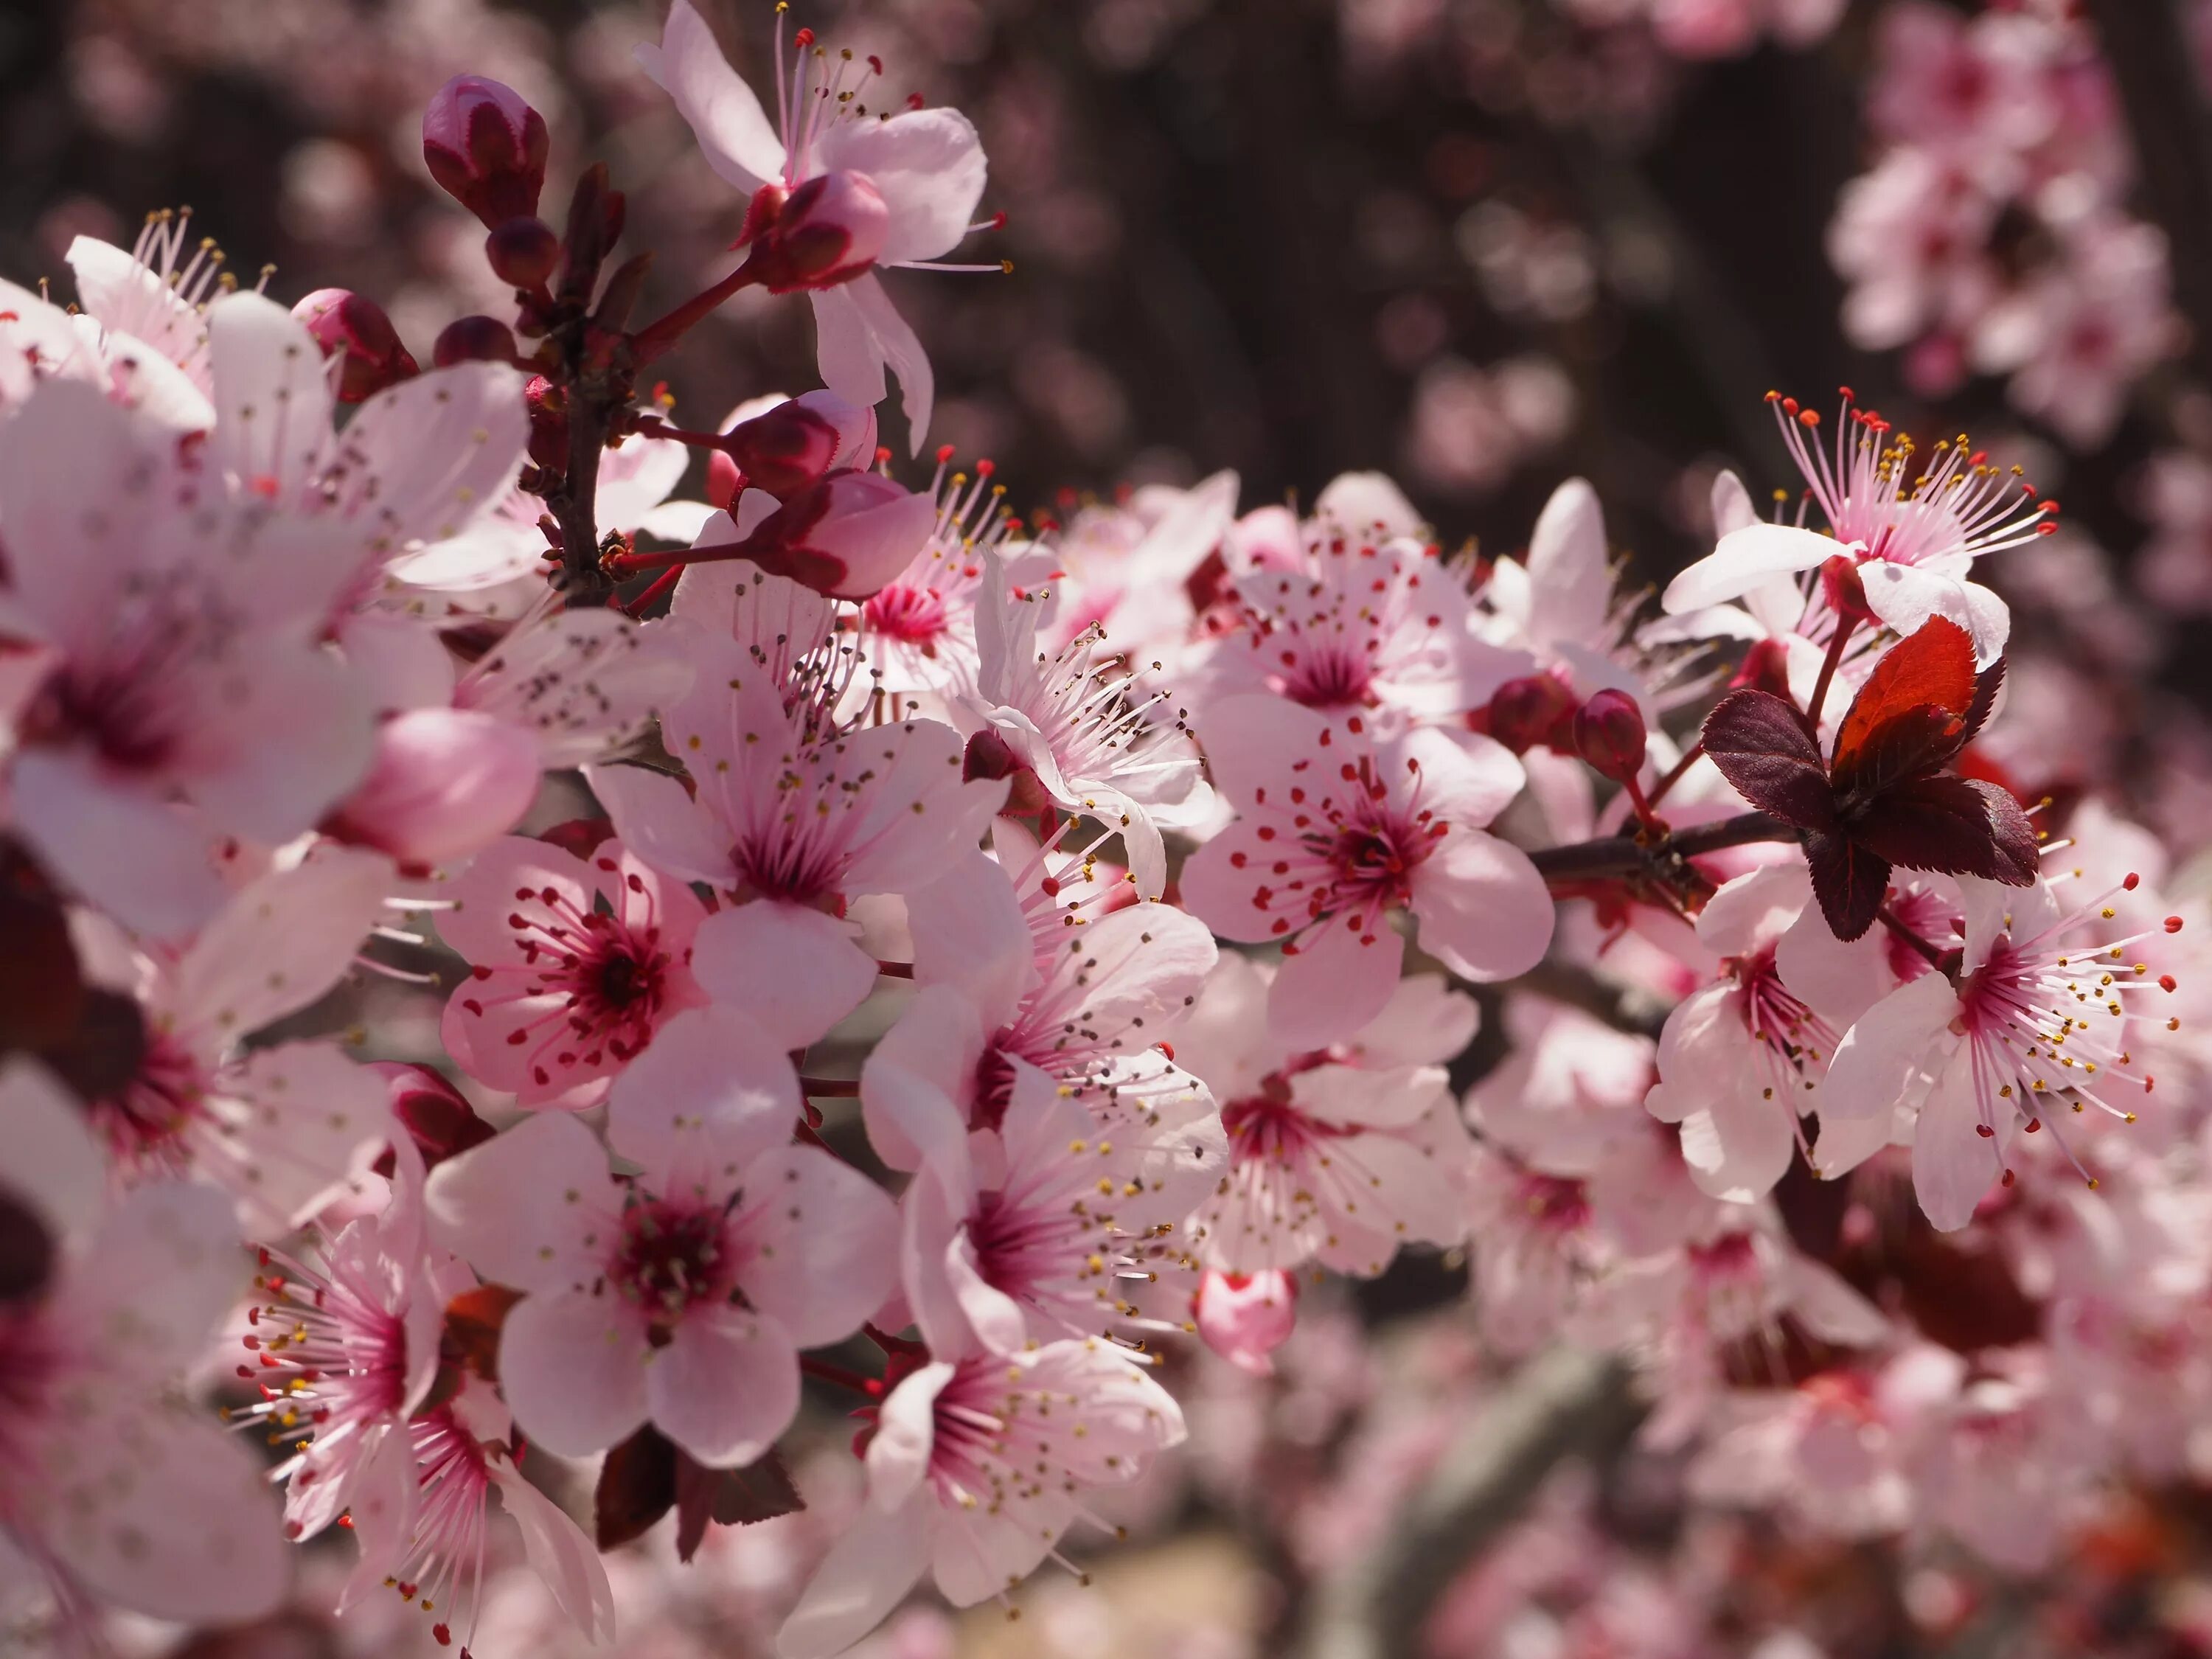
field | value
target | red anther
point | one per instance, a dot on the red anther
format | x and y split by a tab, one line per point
1789	405
875	63
804	38
1773	397
2167	982
1167	1048
2132	881
1808	417
1985	1131
986	467
2050	506
2007	1178
444	1635
882	454
2173	924
2033	1124
943	454
913	100
999	220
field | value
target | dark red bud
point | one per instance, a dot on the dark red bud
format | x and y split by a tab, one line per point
346	324
523	253
1765	668
473	340
828	231
1609	735
1533	709
437	1118
989	757
783	451
548	422
486	147
1841	586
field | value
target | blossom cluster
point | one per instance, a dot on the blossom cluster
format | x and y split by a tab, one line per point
1005	958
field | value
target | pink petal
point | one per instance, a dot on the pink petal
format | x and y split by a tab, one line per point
928	167
1886	1059
285	940
1338	981
733	132
894	340
1464	777
821	1242
272	399
165	1267
509	880
724	1386
914	1083
564	1559
1252	741
659	821
1570	577
116	841
1954	1163
793	971
311	1110
711	1096
867	1573
573	1364
970	934
1743	559
518	1207
72	448
851	360
1485	911
442	447
54	1161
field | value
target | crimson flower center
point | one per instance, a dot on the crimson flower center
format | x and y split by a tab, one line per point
670	1256
916	615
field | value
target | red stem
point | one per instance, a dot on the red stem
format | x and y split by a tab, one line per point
620	565
663	583
1676	775
830	1088
1836	642
822	1370
657	337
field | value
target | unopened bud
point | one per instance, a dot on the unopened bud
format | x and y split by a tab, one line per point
1532	710
828	231
1245	1318
787	448
845	534
437	1117
473	340
523	253
486	147
1841	586
347	326
548	422
446	782
990	757
1609	735
1765	668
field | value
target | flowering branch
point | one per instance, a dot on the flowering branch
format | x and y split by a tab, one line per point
1659	859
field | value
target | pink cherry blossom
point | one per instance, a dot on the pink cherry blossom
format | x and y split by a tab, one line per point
1336	832
905	187
1100	741
1245	1318
574	965
278	1127
682	1297
975	1469
111	1494
2036	1020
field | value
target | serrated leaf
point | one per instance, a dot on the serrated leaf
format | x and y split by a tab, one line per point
1760	744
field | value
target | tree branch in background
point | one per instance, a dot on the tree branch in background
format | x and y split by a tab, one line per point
1561	1405
2148	46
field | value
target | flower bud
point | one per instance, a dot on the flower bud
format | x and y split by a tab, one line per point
990	757
486	147
828	231
347	326
1533	709
789	447
446	782
523	253
1765	668
1245	1318
437	1117
548	422
1609	735
473	340
845	534
1841	586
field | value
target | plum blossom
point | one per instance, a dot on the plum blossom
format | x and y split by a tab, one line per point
2031	1022
868	190
574	965
1912	528
1740	1059
921	625
176	595
976	1467
680	1297
1098	742
1138	566
1338	831
279	1127
111	1494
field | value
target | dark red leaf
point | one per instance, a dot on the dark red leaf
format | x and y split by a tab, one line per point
1850	881
1960	826
474	1320
1759	744
648	1474
1987	684
729	1497
1934	664
637	1486
1910	743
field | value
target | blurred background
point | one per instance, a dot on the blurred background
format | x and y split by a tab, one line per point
1483	245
